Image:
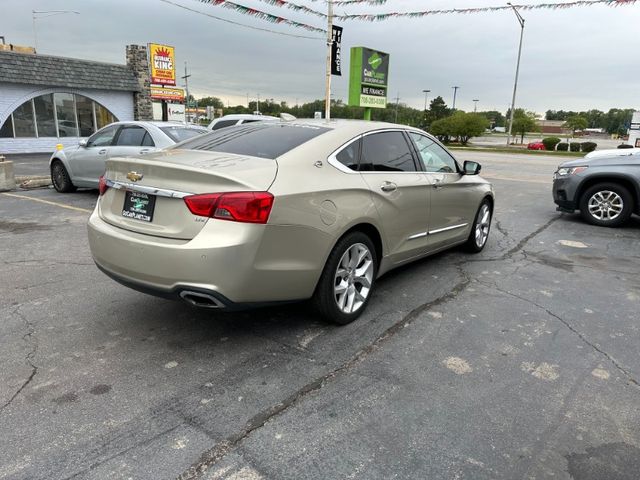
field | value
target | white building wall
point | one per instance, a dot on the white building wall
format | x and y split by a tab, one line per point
13	95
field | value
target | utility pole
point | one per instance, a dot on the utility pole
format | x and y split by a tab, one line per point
327	99
475	105
186	88
426	92
515	84
455	91
397	103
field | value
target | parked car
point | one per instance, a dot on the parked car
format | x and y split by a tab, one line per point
82	165
536	146
239	119
272	212
604	186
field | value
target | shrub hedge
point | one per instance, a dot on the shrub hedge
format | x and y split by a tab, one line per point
550	143
574	147
587	147
562	147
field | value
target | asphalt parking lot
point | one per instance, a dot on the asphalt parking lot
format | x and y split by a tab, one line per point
518	363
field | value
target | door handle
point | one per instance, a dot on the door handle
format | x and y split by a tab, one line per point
388	187
102	152
143	151
437	183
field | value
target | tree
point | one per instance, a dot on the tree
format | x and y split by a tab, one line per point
461	125
523	122
214	102
576	122
496	119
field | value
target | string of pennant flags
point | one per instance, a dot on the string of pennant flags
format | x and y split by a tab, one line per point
262	15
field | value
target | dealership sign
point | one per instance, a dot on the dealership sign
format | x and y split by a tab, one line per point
336	51
163	65
170	94
368	78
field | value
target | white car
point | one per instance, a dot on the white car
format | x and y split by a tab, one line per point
239	119
82	165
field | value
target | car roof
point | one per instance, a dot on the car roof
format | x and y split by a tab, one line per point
351	127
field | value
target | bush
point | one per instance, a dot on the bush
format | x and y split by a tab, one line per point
550	143
625	145
588	146
562	147
574	147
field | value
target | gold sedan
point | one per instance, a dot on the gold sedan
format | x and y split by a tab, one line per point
284	211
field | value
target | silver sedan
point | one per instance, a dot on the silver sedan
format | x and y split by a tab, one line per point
82	165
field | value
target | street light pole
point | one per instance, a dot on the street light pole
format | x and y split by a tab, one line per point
475	105
515	84
455	91
426	92
186	87
327	100
42	14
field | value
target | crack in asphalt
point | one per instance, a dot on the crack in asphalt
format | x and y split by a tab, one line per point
28	338
521	244
220	450
580	335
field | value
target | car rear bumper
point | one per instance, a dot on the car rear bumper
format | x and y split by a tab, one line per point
233	263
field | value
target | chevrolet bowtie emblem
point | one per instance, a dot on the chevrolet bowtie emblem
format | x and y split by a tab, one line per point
134	176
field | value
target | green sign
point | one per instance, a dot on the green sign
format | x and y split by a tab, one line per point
368	78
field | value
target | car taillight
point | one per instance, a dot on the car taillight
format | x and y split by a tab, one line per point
249	207
102	185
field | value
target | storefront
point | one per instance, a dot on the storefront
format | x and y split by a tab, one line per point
47	100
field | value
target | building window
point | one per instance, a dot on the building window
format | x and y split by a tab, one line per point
7	128
45	116
57	115
23	121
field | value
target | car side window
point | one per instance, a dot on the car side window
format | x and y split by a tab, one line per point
434	157
386	152
147	141
131	136
103	138
223	123
348	156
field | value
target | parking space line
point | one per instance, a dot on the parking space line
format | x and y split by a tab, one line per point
515	179
61	205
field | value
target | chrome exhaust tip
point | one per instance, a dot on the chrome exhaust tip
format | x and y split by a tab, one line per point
201	300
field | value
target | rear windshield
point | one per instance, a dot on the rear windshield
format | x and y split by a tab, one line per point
178	134
265	140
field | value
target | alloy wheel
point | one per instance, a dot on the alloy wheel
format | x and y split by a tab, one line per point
605	205
353	278
482	225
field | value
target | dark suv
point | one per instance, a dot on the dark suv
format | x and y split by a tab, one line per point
604	186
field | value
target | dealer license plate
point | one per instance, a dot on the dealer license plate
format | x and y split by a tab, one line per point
139	206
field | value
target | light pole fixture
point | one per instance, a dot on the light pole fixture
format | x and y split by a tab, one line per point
455	91
515	84
426	92
35	14
475	104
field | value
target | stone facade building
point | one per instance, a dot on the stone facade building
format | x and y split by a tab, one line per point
47	100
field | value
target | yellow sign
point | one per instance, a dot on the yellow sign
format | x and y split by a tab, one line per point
167	93
163	64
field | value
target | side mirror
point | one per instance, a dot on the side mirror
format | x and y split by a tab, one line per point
471	168
83	142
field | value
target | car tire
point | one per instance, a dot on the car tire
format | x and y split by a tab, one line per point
599	201
480	228
60	178
346	283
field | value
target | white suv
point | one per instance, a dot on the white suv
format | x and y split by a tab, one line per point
238	119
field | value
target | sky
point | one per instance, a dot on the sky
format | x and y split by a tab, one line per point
572	59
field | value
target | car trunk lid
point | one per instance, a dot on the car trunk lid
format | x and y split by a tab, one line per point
146	194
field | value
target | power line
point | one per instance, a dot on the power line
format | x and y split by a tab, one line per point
238	23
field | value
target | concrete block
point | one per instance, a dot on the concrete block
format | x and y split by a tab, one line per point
7	179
